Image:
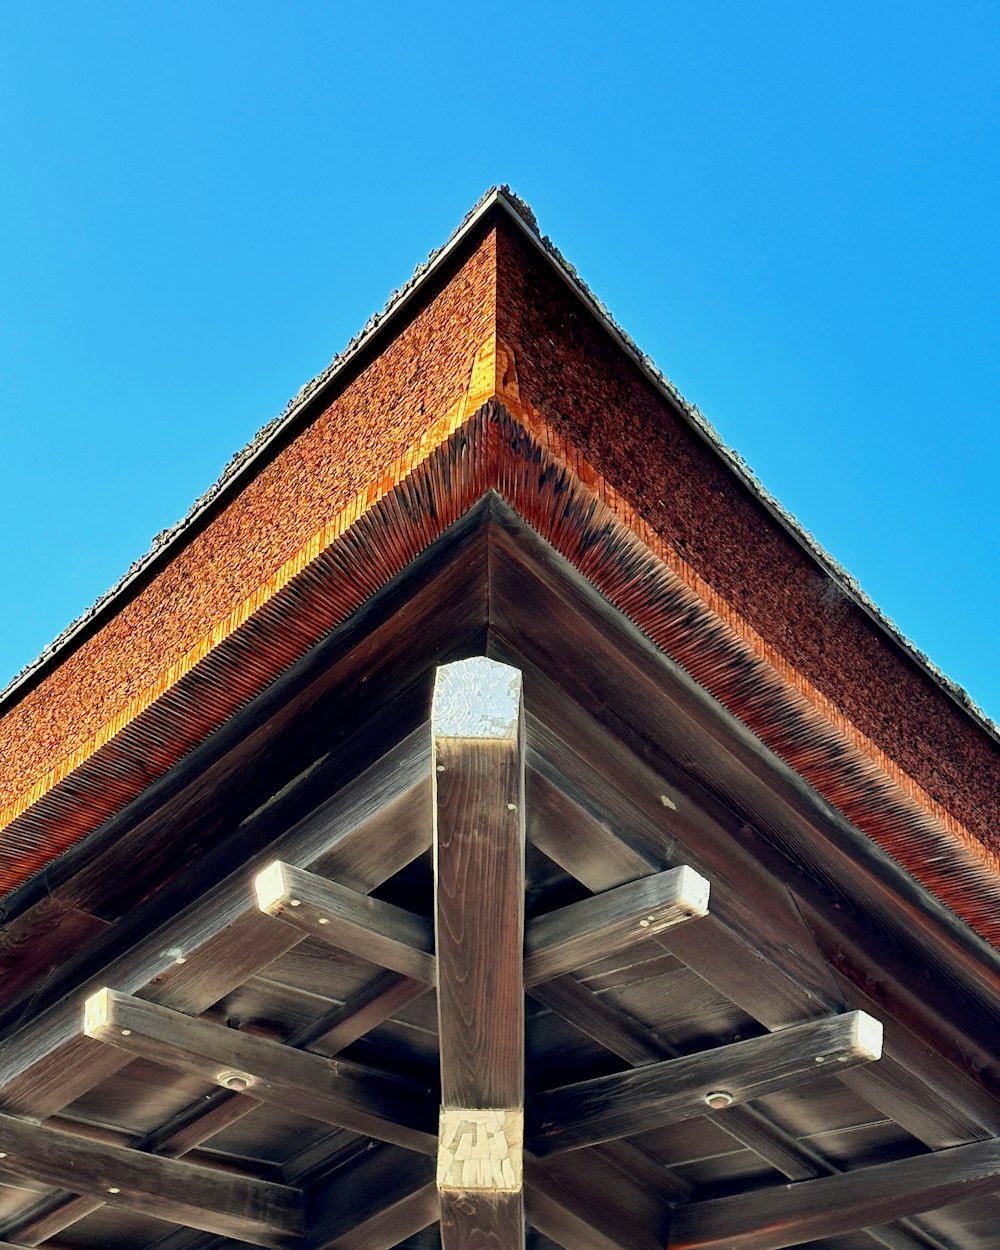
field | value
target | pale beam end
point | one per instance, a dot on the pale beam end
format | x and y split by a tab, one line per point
97	1012
692	891
867	1036
477	698
481	1149
269	888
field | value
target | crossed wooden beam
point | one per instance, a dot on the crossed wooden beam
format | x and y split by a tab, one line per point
482	957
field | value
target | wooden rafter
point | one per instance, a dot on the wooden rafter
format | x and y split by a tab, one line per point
625	1103
835	1205
390	1108
379	1200
477	728
259	1212
354	922
572	936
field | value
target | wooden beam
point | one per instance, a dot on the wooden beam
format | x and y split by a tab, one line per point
632	1041
789	1215
259	1212
478	755
622	1212
348	1095
47	1064
367	927
624	1103
572	936
366	1010
373	1203
200	1121
10	1245
408	1214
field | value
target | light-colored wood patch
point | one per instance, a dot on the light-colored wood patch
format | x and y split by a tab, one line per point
480	1149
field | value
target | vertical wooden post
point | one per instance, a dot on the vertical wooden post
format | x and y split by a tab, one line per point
477	726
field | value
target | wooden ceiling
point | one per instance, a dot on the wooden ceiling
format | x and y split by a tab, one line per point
542	949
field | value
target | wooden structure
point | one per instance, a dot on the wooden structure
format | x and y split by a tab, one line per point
500	861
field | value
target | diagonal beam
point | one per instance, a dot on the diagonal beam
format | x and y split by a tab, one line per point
250	1210
477	728
364	926
200	1121
789	1215
638	1045
608	1107
374	1203
625	1211
348	1095
572	936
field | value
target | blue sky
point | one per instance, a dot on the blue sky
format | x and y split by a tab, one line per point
791	207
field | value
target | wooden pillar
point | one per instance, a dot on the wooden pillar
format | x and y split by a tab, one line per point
477	726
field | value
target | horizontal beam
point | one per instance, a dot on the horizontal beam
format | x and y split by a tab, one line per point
46	1065
364	926
259	1212
576	935
389	1108
632	1041
608	1107
789	1215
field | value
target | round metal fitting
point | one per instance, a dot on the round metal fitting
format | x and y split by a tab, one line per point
236	1081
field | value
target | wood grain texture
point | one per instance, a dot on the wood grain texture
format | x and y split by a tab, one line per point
373	1203
622	1212
479	887
366	1010
481	1220
260	1212
774	819
626	1103
570	937
367	927
634	1042
835	1205
47	1063
390	1108
479	877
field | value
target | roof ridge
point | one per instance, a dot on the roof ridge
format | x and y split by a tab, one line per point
520	212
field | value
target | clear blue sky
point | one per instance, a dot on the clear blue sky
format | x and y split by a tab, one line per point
792	208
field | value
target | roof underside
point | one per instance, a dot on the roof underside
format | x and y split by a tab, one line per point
630	771
493	472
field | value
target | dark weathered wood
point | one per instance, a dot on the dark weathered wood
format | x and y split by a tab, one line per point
626	1103
10	1245
47	1064
632	1041
572	936
200	1121
373	1203
607	1025
208	1117
389	1108
481	1221
364	1011
811	1210
260	1212
478	732
622	1211
801	841
616	791
479	883
367	927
